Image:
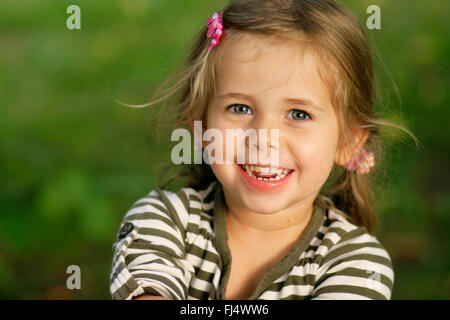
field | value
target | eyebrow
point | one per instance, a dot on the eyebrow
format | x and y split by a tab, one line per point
300	101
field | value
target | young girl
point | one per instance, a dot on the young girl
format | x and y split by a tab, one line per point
300	230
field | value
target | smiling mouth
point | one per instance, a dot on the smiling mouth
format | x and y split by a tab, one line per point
265	173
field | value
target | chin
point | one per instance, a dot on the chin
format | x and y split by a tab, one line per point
266	210
262	203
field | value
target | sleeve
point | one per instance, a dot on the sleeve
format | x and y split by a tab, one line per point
357	268
149	252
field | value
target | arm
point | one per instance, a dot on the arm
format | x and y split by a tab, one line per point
149	254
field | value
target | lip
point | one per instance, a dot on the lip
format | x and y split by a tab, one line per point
265	186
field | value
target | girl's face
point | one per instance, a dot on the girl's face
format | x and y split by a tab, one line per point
265	85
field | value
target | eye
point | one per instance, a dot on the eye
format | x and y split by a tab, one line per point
240	109
298	115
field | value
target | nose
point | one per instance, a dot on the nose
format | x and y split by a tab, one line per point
267	140
268	131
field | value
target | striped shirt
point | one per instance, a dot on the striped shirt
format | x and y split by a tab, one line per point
174	244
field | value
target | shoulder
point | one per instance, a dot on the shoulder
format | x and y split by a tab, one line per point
150	250
174	208
347	237
352	261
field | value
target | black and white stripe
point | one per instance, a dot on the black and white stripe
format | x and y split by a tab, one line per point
172	252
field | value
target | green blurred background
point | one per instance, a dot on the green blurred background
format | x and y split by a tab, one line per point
73	161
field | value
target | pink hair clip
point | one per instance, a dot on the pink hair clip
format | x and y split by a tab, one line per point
215	28
361	162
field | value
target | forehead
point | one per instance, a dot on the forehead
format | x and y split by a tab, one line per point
261	65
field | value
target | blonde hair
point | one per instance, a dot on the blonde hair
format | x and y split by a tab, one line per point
346	66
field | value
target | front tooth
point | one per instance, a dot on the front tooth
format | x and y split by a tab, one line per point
265	170
274	171
254	168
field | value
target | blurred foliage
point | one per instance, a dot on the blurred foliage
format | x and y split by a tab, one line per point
73	161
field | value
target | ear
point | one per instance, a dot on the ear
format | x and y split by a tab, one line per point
348	150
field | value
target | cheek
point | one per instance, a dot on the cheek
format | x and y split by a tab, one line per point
316	151
225	173
218	170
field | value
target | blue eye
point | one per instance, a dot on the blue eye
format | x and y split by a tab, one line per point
299	115
240	109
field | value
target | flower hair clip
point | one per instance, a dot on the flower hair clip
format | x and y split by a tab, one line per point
361	162
215	28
